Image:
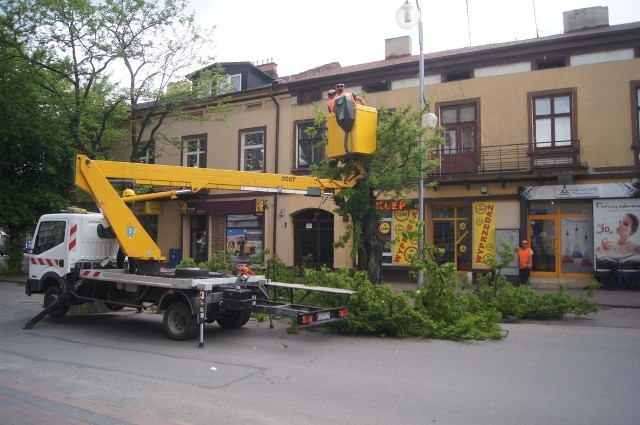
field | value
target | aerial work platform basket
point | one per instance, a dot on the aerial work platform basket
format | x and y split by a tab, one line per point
351	130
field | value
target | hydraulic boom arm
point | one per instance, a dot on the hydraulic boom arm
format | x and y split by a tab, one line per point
93	176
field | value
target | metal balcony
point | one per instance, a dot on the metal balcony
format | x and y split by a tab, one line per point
515	159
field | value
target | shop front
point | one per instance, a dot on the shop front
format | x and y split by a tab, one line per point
575	230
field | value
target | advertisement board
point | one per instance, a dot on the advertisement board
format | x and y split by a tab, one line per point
484	234
404	248
616	238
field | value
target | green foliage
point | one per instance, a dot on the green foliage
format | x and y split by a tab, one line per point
279	272
218	261
35	157
494	291
442	309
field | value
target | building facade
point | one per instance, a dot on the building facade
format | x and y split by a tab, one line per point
542	143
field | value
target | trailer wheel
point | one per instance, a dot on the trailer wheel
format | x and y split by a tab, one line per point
113	307
179	323
191	272
234	319
50	297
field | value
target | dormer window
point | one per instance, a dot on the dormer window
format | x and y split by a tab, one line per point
232	84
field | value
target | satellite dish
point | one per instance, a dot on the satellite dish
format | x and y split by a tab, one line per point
408	16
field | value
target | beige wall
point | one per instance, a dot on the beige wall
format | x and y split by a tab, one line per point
603	110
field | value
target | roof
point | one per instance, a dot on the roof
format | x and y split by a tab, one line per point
334	69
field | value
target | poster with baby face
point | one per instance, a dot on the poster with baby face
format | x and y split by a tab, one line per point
616	238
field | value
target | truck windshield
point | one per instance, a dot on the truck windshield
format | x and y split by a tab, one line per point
50	234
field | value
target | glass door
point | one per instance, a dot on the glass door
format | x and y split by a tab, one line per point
542	231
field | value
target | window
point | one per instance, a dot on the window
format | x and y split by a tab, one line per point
232	83
308	97
195	151
306	145
376	87
551	63
552	120
149	156
244	236
50	234
637	115
450	230
461	128
252	151
457	76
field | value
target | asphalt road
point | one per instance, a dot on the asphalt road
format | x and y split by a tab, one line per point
579	371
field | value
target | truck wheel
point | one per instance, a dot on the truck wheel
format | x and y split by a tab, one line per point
50	297
179	323
234	319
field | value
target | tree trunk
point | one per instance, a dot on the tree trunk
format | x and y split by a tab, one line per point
371	246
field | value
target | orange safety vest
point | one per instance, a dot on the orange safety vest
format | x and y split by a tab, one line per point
524	258
331	103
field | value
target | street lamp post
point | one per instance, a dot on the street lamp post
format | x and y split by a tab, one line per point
407	17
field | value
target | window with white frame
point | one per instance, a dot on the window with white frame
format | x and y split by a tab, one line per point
232	83
252	150
552	120
149	156
308	151
195	151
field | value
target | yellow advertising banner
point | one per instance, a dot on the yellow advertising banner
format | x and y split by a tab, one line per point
404	248
484	233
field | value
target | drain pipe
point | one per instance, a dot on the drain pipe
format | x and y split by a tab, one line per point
277	149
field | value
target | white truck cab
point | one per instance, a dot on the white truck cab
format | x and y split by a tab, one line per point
63	240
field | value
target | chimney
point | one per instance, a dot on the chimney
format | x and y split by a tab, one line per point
397	47
590	17
270	68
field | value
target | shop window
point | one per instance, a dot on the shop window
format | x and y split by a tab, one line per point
542	208
561	236
397	221
244	236
451	232
636	115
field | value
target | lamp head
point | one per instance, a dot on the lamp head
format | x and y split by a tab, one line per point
407	16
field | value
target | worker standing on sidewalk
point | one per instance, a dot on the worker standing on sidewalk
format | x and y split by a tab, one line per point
525	262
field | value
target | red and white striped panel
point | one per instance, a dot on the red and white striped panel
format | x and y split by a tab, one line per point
44	261
72	237
91	273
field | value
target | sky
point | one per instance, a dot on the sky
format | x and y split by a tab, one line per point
301	34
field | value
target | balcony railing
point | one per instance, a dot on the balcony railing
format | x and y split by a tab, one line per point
507	159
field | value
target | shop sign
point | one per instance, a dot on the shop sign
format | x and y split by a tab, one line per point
404	221
391	205
577	191
484	234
